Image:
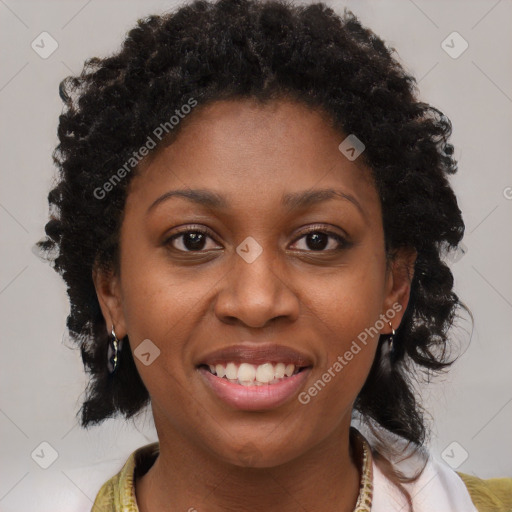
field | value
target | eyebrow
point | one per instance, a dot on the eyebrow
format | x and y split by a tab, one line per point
292	201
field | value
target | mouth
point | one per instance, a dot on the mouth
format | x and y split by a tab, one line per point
247	374
249	387
254	376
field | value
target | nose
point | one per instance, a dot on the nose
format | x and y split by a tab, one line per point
257	293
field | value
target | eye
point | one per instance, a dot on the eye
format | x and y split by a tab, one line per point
192	240
317	239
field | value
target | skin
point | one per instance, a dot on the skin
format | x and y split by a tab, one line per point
213	457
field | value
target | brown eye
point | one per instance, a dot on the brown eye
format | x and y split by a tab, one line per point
318	240
192	240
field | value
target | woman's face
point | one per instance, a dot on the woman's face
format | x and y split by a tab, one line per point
256	279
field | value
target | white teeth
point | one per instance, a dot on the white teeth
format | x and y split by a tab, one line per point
280	370
253	375
265	373
246	373
220	370
231	371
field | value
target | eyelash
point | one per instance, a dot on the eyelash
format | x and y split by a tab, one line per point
343	243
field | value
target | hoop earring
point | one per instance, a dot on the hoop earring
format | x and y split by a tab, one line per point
391	345
114	347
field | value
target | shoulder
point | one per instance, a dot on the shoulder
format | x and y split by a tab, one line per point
438	487
489	495
118	493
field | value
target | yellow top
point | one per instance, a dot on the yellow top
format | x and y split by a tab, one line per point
491	495
118	493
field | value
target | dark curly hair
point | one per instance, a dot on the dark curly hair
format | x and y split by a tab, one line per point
237	49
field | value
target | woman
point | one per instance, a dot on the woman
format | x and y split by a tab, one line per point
251	214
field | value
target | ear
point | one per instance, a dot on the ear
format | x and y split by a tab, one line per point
399	277
108	290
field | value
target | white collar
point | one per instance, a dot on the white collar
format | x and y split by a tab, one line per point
438	489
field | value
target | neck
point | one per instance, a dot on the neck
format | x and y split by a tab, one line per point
184	477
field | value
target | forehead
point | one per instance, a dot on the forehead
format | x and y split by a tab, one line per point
244	150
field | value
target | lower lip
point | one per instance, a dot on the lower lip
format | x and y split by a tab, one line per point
255	398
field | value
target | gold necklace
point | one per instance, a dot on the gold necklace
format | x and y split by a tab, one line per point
363	454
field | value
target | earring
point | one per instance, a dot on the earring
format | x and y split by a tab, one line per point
114	347
393	332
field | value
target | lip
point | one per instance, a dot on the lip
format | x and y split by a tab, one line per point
256	353
254	398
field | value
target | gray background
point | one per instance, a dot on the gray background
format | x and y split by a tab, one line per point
42	377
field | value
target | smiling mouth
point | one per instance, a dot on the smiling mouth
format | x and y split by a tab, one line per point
247	374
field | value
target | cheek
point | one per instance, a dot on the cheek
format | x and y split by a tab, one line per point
160	304
160	308
348	301
157	296
346	310
345	356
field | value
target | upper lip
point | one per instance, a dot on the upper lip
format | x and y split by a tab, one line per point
257	354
